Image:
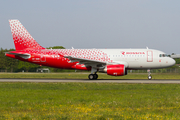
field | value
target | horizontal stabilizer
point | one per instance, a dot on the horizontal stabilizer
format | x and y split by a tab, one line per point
23	55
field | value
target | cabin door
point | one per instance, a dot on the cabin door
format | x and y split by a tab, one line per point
149	56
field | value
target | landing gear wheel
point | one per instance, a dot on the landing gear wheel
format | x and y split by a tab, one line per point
91	76
149	74
149	77
95	76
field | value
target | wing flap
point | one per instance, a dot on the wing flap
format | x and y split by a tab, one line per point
86	62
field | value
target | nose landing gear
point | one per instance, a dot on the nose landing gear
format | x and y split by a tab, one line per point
149	77
149	74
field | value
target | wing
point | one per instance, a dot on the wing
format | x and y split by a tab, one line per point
87	62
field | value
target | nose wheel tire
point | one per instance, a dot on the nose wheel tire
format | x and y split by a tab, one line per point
93	76
149	77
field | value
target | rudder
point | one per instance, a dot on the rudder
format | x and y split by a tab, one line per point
22	38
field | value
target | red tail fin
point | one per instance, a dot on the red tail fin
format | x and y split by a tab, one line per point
22	39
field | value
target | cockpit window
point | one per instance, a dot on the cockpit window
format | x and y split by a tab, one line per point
163	55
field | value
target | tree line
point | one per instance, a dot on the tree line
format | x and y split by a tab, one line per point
13	65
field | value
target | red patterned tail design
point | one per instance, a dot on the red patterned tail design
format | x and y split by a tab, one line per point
22	39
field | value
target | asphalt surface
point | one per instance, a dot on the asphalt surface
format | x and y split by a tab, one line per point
92	81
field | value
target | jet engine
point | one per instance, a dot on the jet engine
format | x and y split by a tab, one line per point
116	70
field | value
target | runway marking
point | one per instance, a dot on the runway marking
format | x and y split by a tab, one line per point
92	81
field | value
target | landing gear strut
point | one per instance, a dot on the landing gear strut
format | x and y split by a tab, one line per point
149	74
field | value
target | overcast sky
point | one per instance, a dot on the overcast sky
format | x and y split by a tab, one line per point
95	23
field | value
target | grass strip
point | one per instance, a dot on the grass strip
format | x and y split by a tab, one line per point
89	101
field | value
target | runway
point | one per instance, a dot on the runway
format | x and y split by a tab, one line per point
93	81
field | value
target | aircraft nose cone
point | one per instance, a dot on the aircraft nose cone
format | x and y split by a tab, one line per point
172	62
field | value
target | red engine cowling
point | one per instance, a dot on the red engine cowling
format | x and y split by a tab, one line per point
116	70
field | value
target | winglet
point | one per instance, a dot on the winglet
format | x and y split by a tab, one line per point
22	38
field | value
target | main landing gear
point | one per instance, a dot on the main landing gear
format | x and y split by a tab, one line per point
93	76
149	74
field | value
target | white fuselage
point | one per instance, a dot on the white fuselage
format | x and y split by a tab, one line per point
140	58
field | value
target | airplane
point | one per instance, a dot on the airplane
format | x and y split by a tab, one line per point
114	62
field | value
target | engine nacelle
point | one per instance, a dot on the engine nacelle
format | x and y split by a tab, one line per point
116	70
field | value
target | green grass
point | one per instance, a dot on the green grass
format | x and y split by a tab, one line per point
89	101
85	76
